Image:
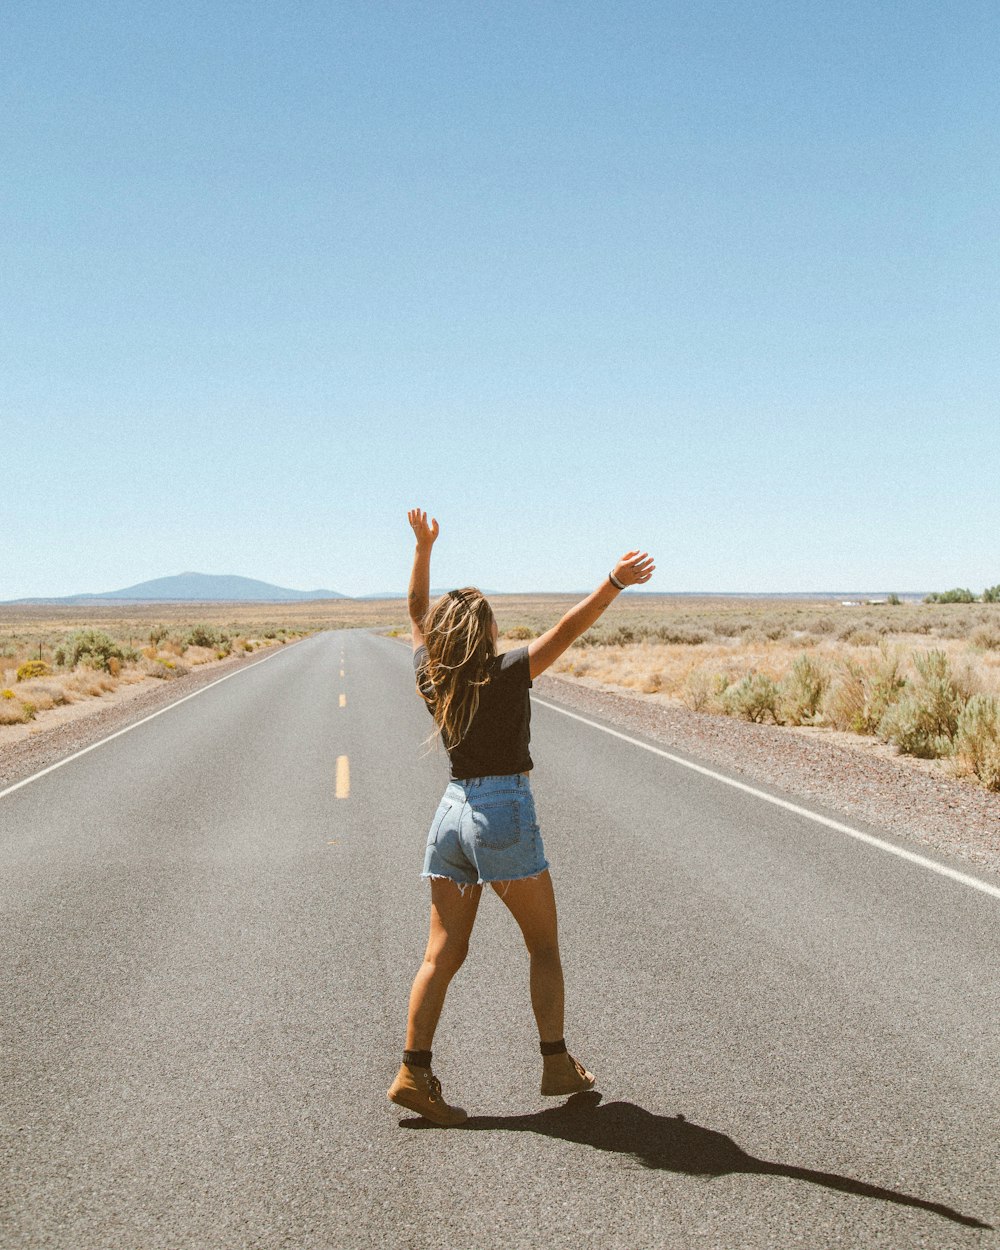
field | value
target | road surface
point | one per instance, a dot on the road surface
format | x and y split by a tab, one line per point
209	928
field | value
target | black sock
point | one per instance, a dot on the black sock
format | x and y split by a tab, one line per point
417	1058
554	1048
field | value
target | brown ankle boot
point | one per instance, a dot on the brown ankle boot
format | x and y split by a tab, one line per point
562	1074
419	1090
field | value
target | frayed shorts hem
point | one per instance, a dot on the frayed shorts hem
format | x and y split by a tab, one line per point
467	885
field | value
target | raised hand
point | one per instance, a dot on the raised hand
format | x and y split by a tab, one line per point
634	568
426	532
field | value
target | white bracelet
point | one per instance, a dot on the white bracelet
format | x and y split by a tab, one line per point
615	582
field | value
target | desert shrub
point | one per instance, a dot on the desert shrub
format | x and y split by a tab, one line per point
652	683
679	635
893	601
977	739
957	595
696	693
801	691
41	701
157	634
985	638
822	625
924	720
33	668
862	633
753	698
43	694
198	655
960	628
60	657
163	668
13	713
7	694
519	632
860	694
203	636
704	691
89	683
94	649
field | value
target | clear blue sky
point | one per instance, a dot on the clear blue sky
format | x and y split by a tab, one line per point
716	279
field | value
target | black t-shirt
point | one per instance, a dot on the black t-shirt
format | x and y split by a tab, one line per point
497	741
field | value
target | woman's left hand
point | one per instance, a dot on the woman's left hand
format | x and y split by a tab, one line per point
426	532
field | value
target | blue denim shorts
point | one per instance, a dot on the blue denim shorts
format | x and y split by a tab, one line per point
485	829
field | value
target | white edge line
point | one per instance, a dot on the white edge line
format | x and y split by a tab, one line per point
135	724
914	858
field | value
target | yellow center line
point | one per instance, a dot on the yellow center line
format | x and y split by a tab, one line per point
343	700
343	777
341	672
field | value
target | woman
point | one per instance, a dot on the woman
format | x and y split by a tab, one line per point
485	831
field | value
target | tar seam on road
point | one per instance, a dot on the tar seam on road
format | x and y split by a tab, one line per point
914	858
128	728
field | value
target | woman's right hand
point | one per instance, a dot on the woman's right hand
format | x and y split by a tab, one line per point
426	532
634	568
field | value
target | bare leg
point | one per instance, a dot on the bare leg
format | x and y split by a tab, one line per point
453	913
532	903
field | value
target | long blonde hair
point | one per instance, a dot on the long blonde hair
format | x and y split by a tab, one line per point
458	634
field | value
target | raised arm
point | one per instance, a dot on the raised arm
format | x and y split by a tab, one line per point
418	598
632	569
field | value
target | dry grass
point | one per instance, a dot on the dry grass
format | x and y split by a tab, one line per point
930	687
136	643
689	673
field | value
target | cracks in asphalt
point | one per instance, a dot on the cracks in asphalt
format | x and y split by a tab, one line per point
675	1144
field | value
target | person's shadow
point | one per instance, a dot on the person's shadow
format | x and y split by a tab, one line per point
673	1144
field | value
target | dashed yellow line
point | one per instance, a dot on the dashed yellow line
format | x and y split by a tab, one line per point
343	777
343	700
341	672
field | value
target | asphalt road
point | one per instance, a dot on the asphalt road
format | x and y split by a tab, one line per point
206	956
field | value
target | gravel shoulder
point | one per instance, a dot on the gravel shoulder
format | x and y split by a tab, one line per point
863	780
64	731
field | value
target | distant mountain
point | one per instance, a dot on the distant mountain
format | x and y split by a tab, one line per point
196	588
